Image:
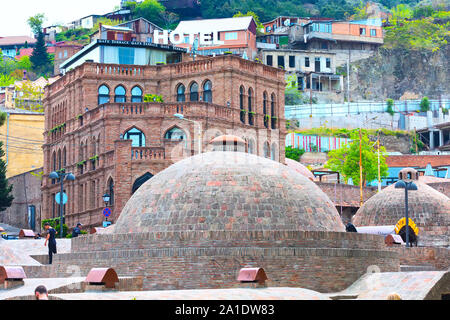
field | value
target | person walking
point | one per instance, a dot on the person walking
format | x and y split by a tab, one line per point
51	239
77	230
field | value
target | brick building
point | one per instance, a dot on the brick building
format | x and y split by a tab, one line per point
98	127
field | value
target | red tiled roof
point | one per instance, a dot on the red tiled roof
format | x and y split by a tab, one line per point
25	52
417	161
16	40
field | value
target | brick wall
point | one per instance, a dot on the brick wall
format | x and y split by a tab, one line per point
322	261
26	192
346	195
439	258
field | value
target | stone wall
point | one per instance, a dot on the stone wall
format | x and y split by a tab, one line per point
322	261
27	192
346	195
439	258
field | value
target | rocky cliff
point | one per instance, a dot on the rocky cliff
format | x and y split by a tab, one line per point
401	74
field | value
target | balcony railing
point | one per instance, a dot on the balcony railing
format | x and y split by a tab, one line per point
147	153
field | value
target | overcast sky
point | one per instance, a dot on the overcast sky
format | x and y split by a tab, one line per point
14	13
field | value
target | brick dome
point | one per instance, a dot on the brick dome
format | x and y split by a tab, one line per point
230	191
297	166
427	207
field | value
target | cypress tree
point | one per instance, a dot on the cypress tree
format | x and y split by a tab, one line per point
5	190
40	58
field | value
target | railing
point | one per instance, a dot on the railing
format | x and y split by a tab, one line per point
147	153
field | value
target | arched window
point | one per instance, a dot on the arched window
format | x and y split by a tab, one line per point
181	90
250	106
54	161
266	150
140	181
111	191
136	136
272	111
207	91
241	103
64	157
251	146
119	94
194	92
136	94
103	94
265	105
59	160
175	134
273	152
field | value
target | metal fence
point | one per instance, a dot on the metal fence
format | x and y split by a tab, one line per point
352	108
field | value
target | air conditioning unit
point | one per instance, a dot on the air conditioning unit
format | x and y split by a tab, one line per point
287	22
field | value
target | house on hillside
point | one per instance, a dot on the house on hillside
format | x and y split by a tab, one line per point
10	46
238	35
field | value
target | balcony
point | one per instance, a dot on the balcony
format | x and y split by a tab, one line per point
147	153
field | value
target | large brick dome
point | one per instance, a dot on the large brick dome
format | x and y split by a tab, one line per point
427	207
231	191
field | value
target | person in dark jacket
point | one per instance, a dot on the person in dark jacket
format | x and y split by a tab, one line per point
51	239
76	231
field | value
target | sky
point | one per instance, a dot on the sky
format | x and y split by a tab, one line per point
15	13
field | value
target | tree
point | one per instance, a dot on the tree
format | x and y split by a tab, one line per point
104	21
259	25
36	22
424	104
170	19
6	80
390	105
5	190
346	160
151	10
40	59
294	153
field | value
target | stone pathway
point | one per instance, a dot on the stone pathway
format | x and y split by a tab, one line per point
207	294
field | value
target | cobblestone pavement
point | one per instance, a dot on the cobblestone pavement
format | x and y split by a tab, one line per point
409	285
18	252
30	284
207	294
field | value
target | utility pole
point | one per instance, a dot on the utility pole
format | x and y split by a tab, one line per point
379	169
360	169
348	81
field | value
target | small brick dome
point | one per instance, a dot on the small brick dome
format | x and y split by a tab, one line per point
297	166
228	191
427	207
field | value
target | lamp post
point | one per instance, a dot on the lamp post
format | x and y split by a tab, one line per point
106	199
181	117
61	176
407	185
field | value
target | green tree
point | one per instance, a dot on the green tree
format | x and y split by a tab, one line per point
151	10
5	189
390	106
25	63
294	153
40	59
259	25
104	21
36	22
346	160
6	80
424	104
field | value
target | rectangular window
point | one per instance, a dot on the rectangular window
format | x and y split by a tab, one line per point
126	55
186	40
120	38
270	63
317	64
150	40
291	61
231	36
373	33
362	31
65	56
306	62
281	61
328	61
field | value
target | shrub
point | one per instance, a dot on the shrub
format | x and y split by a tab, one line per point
424	104
54	223
294	153
390	105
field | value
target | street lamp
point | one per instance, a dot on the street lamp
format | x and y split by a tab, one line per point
181	117
106	199
61	176
407	185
